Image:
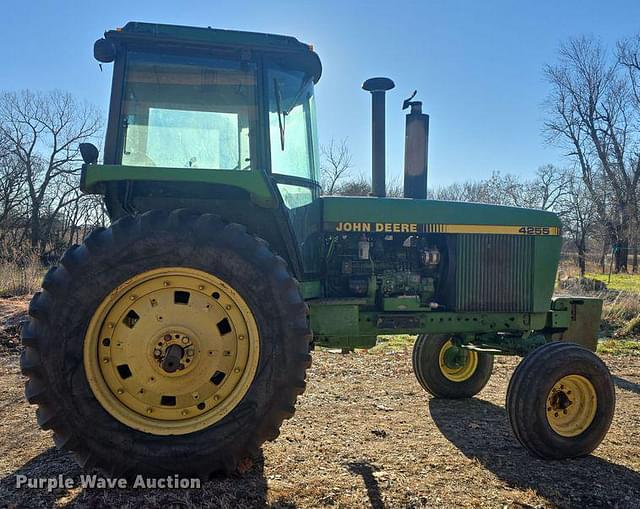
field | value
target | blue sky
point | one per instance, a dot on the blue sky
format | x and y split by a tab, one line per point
477	65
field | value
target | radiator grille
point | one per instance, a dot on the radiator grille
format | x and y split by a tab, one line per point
494	273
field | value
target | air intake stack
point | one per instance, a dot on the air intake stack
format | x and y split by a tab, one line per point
416	150
378	87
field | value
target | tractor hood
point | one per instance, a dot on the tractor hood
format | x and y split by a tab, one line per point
398	215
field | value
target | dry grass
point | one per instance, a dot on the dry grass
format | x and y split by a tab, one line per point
621	299
365	435
20	279
12	312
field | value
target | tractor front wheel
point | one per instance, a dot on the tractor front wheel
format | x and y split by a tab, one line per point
171	342
560	401
448	371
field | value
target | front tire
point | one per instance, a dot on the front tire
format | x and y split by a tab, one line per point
203	333
446	371
560	401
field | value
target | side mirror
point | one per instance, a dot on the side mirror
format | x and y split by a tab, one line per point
89	153
104	51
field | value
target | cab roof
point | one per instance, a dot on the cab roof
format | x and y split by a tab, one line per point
177	35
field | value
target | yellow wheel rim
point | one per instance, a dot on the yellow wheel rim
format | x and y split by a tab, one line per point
571	405
457	364
171	351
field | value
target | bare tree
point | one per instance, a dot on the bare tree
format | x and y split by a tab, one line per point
591	111
12	187
579	216
479	191
547	189
541	192
356	186
42	132
629	58
335	166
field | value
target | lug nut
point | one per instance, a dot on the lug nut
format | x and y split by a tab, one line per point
157	352
185	340
167	337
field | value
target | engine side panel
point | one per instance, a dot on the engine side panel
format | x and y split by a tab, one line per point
423	255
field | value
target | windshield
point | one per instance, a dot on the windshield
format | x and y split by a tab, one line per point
188	112
292	123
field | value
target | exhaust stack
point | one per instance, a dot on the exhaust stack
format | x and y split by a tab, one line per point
416	150
378	87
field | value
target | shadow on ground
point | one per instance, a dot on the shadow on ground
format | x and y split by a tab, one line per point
625	384
473	425
365	470
247	490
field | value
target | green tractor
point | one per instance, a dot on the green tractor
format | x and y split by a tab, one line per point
177	340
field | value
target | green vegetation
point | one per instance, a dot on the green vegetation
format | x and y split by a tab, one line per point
619	347
393	343
624	282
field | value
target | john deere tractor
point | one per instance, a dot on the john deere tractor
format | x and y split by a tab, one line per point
177	339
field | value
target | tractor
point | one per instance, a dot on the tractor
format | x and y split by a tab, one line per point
177	340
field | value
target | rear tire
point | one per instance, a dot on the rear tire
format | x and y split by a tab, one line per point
462	380
560	401
54	341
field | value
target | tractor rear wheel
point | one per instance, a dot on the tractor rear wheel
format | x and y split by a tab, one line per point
561	401
171	342
447	371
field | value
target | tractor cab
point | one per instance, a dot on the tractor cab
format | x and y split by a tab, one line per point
233	110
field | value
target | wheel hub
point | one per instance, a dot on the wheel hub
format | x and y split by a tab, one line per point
571	405
457	364
175	352
171	351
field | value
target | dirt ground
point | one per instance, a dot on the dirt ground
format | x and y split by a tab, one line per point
364	435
